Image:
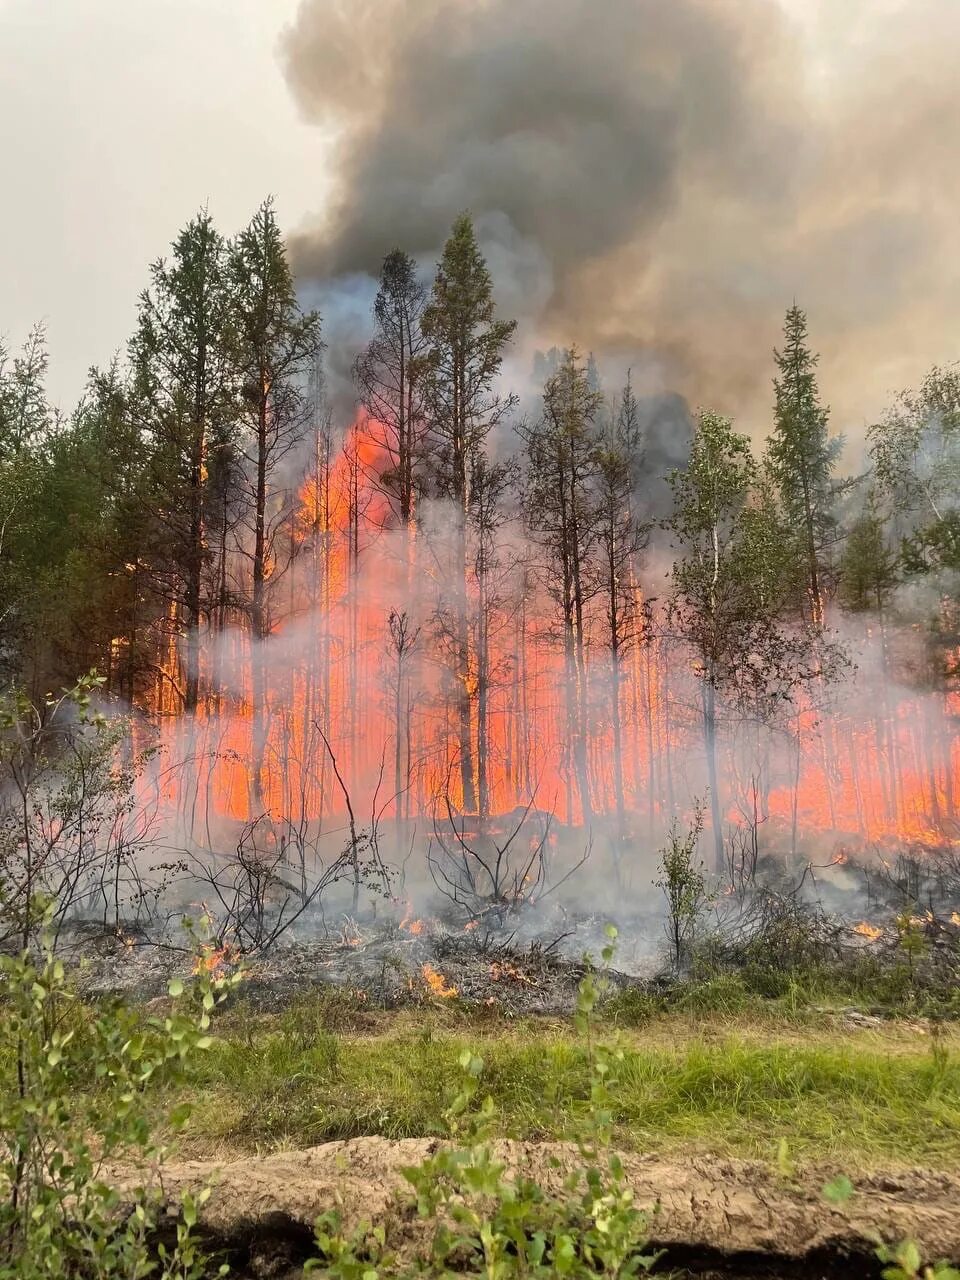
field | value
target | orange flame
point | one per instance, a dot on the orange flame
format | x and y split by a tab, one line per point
213	959
868	931
437	984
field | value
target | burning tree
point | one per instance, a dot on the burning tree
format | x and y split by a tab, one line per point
389	374
466	346
276	348
563	462
185	387
621	536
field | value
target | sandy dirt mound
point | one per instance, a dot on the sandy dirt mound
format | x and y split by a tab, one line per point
731	1207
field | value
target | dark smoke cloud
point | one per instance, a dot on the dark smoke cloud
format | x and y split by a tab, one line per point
658	175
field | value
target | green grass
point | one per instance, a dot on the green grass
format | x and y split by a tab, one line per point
727	1084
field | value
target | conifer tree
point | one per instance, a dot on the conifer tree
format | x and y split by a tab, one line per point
276	345
621	536
466	345
185	389
389	377
562	466
802	456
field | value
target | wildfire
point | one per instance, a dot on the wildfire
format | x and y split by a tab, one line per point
213	959
868	931
955	918
866	781
437	984
416	927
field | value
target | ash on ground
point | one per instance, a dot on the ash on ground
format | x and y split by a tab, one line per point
530	969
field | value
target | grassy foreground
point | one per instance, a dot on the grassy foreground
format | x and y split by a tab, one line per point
729	1085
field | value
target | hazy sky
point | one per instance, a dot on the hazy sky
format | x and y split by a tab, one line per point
119	118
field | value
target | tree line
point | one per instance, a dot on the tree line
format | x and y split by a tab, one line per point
168	510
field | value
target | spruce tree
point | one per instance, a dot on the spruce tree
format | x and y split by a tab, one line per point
801	455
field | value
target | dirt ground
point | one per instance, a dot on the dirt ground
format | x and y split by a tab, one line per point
716	1217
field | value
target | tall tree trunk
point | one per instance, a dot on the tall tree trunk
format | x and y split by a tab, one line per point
258	610
710	746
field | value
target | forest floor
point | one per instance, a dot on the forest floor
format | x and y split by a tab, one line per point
841	1087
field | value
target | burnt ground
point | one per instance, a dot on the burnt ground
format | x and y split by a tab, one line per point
716	1217
382	964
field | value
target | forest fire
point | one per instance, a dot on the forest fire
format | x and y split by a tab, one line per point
477	635
355	657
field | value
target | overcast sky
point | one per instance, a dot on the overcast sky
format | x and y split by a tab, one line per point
120	118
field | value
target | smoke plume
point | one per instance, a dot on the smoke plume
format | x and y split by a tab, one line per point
658	177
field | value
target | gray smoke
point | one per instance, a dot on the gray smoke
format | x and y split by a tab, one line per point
657	175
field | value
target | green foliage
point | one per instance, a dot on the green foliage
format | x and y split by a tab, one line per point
684	885
465	348
869	571
915	450
25	414
901	1261
73	1102
839	1190
356	1255
904	1262
66	792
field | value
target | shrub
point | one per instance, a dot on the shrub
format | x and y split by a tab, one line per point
684	886
72	1103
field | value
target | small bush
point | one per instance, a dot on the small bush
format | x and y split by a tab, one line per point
72	1100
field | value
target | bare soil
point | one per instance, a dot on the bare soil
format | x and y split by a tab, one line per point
716	1218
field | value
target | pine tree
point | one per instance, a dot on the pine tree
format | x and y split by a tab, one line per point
802	456
185	390
562	466
389	378
25	414
31	534
621	536
463	361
